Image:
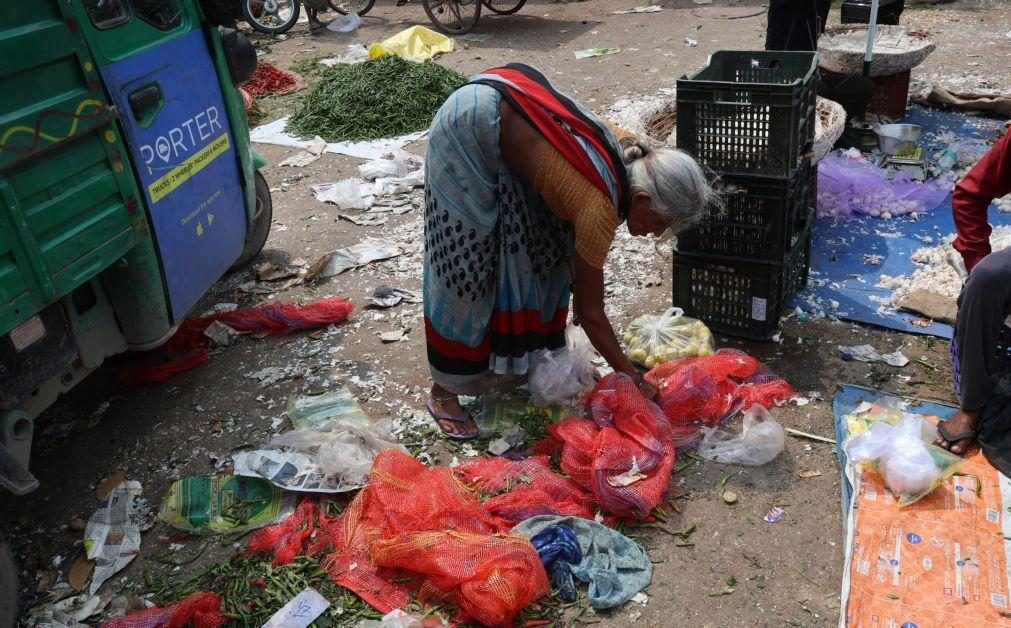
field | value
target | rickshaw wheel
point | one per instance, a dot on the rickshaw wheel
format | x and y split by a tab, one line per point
504	7
361	7
453	17
256	234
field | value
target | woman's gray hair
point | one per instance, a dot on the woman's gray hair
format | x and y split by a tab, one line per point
675	183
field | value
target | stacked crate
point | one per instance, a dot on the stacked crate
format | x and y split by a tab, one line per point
748	117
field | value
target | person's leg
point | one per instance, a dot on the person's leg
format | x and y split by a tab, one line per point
314	22
983	307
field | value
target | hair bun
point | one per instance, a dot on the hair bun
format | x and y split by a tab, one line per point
633	150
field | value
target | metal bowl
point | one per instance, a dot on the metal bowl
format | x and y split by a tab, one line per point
896	139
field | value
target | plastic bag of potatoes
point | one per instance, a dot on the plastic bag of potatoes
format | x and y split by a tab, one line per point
653	340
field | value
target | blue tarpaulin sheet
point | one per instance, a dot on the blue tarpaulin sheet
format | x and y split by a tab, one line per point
839	268
847	398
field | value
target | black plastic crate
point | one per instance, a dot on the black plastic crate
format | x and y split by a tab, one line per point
859	11
740	297
749	111
762	218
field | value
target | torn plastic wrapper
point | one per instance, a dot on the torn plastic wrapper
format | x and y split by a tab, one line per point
224	504
368	250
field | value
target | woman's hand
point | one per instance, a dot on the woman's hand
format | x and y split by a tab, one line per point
649	391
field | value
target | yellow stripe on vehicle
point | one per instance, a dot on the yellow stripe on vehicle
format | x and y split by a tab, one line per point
181	173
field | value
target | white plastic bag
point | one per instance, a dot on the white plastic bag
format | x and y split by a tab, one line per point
911	465
399	163
345	24
556	377
759	442
346	194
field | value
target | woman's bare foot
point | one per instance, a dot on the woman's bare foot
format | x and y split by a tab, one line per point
450	415
959	432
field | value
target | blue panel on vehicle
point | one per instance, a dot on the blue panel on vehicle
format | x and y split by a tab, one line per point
176	124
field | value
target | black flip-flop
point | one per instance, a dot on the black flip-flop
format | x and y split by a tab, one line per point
951	439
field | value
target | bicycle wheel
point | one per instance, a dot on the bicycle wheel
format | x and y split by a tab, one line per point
271	16
504	7
453	17
361	7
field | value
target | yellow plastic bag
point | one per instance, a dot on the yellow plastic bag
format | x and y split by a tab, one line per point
653	340
416	43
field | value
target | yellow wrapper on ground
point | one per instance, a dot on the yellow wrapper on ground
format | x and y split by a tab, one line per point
416	43
653	340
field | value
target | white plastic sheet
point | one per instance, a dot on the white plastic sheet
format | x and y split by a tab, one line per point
274	133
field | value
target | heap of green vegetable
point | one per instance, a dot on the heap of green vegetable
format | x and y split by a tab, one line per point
381	98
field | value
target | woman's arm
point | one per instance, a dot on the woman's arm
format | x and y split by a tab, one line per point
588	283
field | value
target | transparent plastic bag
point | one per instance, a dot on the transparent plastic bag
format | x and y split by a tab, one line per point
556	377
856	186
346	452
760	441
905	456
653	340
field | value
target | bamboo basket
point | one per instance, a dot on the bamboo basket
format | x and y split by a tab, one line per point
896	50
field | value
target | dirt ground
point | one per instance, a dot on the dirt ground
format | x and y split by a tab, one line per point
788	573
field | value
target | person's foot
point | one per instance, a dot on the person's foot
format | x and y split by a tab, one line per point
958	433
452	418
315	25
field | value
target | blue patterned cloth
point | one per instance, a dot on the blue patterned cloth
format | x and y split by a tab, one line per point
559	550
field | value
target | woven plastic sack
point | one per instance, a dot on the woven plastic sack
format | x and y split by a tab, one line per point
491	578
189	348
705	391
201	610
653	340
624	454
856	186
557	377
525	488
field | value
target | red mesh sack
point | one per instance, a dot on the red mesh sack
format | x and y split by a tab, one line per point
403	495
625	454
525	488
705	391
188	347
200	610
490	578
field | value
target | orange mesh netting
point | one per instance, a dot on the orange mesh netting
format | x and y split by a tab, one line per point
625	454
525	488
201	610
704	391
491	578
404	496
189	348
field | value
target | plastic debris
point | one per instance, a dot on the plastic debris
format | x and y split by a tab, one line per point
653	8
345	24
368	250
867	353
774	515
416	43
596	52
760	441
318	413
387	296
224	504
301	611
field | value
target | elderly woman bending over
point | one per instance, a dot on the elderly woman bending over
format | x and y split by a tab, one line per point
524	191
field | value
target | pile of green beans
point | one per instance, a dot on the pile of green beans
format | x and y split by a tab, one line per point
381	98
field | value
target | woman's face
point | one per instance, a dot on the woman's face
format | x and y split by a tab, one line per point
642	220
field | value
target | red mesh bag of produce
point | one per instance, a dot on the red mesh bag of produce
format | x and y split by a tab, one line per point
705	391
403	496
189	348
524	488
490	578
200	610
624	454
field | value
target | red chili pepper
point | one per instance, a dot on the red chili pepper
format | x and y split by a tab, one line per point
267	79
176	538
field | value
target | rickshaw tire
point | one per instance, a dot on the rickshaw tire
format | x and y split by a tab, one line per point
259	229
8	584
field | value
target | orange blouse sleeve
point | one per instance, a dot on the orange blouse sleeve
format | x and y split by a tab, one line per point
577	201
